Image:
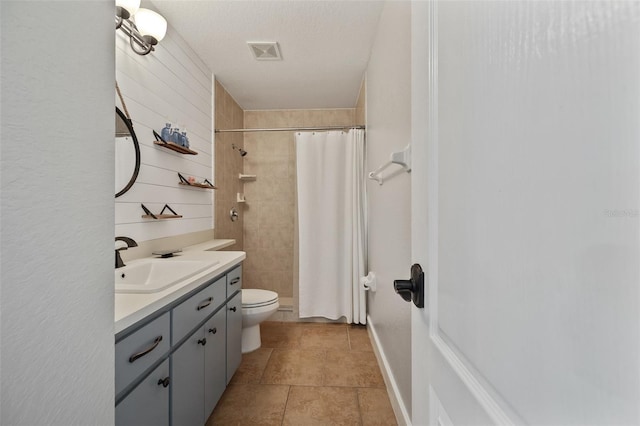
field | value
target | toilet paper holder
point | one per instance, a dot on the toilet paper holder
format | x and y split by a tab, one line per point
369	282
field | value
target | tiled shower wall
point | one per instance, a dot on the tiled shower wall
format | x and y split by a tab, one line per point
228	165
270	210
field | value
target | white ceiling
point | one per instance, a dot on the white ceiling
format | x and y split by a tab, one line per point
325	47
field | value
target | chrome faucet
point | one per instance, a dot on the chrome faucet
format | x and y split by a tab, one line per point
130	243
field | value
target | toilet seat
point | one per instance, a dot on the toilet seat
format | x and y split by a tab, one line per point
255	298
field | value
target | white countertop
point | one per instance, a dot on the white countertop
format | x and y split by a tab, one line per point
210	245
132	307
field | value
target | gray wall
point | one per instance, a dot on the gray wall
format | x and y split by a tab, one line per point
388	130
57	174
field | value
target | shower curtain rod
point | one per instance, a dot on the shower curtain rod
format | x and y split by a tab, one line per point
289	129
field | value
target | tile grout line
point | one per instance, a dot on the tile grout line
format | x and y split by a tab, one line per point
359	407
285	405
265	366
323	379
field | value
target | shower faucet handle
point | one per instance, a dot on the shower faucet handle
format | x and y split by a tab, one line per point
233	214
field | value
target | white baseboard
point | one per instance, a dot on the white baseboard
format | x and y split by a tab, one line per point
399	409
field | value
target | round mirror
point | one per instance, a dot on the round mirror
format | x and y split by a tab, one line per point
127	154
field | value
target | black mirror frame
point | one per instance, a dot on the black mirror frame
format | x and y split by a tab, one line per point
136	146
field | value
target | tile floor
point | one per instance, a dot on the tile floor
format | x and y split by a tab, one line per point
307	374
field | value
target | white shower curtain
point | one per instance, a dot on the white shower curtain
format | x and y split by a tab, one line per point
332	224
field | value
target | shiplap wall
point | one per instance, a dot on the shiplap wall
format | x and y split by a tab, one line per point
173	85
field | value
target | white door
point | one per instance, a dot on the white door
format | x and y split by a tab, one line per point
525	215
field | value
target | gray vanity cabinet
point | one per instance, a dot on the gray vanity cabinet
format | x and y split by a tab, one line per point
215	352
234	334
187	387
140	350
202	337
148	403
198	368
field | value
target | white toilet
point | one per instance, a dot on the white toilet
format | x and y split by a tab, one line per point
257	306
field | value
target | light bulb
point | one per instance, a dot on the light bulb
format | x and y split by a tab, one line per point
128	6
151	25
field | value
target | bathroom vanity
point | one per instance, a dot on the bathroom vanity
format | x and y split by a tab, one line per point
177	349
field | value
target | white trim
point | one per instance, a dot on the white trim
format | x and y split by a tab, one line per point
420	343
479	392
475	387
399	408
432	171
439	416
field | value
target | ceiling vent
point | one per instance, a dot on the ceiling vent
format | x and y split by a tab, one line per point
265	50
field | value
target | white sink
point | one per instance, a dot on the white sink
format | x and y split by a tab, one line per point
154	275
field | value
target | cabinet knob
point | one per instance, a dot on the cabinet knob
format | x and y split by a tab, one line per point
164	382
202	342
213	330
232	309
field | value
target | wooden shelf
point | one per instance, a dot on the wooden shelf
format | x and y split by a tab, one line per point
198	185
175	147
162	216
206	184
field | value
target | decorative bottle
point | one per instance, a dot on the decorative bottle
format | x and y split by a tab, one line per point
165	133
185	139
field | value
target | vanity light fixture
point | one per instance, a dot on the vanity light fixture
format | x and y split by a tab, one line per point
144	27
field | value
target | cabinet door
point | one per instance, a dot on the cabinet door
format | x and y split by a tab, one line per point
148	403
215	382
234	334
187	388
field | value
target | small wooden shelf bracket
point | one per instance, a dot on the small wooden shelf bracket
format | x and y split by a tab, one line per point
150	215
205	184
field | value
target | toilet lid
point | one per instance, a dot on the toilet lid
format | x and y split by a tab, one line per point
253	298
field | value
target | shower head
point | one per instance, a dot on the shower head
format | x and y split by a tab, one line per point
240	150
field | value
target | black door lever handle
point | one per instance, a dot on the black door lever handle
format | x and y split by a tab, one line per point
412	289
404	288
